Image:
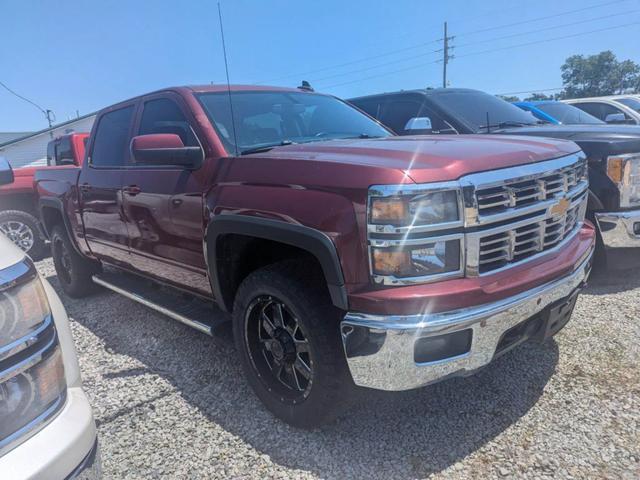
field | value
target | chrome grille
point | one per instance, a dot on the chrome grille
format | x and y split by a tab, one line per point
519	193
497	250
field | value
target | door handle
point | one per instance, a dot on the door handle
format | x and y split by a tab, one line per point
132	190
85	187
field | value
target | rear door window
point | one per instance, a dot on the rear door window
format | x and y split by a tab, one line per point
111	142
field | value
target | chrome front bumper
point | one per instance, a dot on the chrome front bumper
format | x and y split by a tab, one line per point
617	229
380	349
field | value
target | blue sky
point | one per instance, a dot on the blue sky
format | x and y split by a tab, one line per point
84	55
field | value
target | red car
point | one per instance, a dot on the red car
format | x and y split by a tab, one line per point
18	210
345	254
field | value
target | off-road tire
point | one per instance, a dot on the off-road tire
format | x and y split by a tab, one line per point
74	271
331	388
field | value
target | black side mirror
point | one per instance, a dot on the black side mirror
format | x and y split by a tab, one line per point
6	172
165	149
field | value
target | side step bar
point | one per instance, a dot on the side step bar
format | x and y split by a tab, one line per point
191	311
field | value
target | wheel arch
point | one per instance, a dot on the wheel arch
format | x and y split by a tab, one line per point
312	242
52	214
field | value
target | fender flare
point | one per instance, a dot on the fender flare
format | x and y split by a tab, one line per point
308	239
56	204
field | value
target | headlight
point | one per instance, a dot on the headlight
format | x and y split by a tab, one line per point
427	208
32	381
624	171
398	215
428	258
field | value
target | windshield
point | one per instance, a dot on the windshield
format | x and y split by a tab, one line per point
630	102
568	114
270	118
478	108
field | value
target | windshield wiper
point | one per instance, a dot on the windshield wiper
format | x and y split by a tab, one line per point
266	148
506	124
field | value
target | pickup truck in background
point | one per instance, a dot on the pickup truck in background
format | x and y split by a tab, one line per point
613	152
19	219
344	254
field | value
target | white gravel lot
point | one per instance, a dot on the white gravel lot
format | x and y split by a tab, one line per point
172	403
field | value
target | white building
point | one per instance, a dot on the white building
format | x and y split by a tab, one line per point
31	149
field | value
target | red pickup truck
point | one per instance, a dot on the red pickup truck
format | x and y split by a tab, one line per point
345	254
18	207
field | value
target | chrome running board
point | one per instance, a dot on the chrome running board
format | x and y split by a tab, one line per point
192	311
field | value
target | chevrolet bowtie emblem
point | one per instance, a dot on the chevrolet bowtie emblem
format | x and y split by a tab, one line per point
561	207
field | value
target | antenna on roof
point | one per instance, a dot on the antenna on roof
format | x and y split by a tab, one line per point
226	68
306	86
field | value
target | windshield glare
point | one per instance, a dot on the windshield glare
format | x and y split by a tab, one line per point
568	114
476	107
269	118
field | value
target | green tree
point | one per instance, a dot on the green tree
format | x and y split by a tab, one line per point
538	96
597	75
509	98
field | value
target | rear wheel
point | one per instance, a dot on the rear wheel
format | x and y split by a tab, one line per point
287	334
74	271
22	229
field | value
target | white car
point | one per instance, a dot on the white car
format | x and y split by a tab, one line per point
47	430
615	109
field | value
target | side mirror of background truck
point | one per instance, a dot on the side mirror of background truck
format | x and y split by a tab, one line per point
418	125
6	172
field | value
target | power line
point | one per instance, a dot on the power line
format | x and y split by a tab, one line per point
420	45
49	115
488	51
350	72
353	62
546	17
535	90
519	34
413	67
546	40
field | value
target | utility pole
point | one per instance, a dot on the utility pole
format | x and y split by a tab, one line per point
49	114
446	57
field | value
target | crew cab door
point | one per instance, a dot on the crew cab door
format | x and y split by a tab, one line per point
164	203
100	185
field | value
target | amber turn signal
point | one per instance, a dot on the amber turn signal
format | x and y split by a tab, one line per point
386	262
388	210
615	169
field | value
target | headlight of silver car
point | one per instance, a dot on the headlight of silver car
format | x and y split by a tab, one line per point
404	224
32	381
624	171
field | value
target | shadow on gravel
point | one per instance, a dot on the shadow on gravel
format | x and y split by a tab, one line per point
612	280
385	435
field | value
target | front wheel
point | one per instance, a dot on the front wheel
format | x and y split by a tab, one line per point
287	334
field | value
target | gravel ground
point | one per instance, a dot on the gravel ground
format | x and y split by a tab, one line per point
172	403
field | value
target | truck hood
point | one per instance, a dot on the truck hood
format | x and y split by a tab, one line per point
595	140
430	158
